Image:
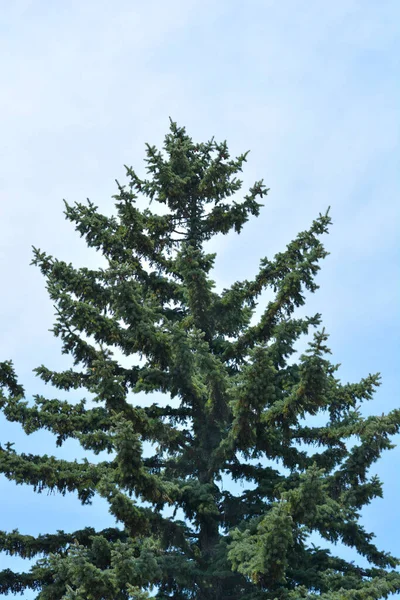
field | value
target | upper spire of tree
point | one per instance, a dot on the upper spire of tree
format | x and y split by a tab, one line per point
196	182
236	402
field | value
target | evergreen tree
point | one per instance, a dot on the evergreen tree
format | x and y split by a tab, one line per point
237	404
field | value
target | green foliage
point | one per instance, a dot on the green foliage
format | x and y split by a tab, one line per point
236	400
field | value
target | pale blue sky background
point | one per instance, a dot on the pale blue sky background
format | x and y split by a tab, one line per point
310	87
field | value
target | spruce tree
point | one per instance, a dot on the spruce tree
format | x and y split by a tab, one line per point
238	406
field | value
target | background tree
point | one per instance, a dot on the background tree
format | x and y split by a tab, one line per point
237	403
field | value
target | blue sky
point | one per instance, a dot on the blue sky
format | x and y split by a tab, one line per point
311	88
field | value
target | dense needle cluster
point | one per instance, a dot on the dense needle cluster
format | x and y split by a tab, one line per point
237	408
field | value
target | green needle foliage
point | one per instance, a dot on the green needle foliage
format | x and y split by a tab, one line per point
236	403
